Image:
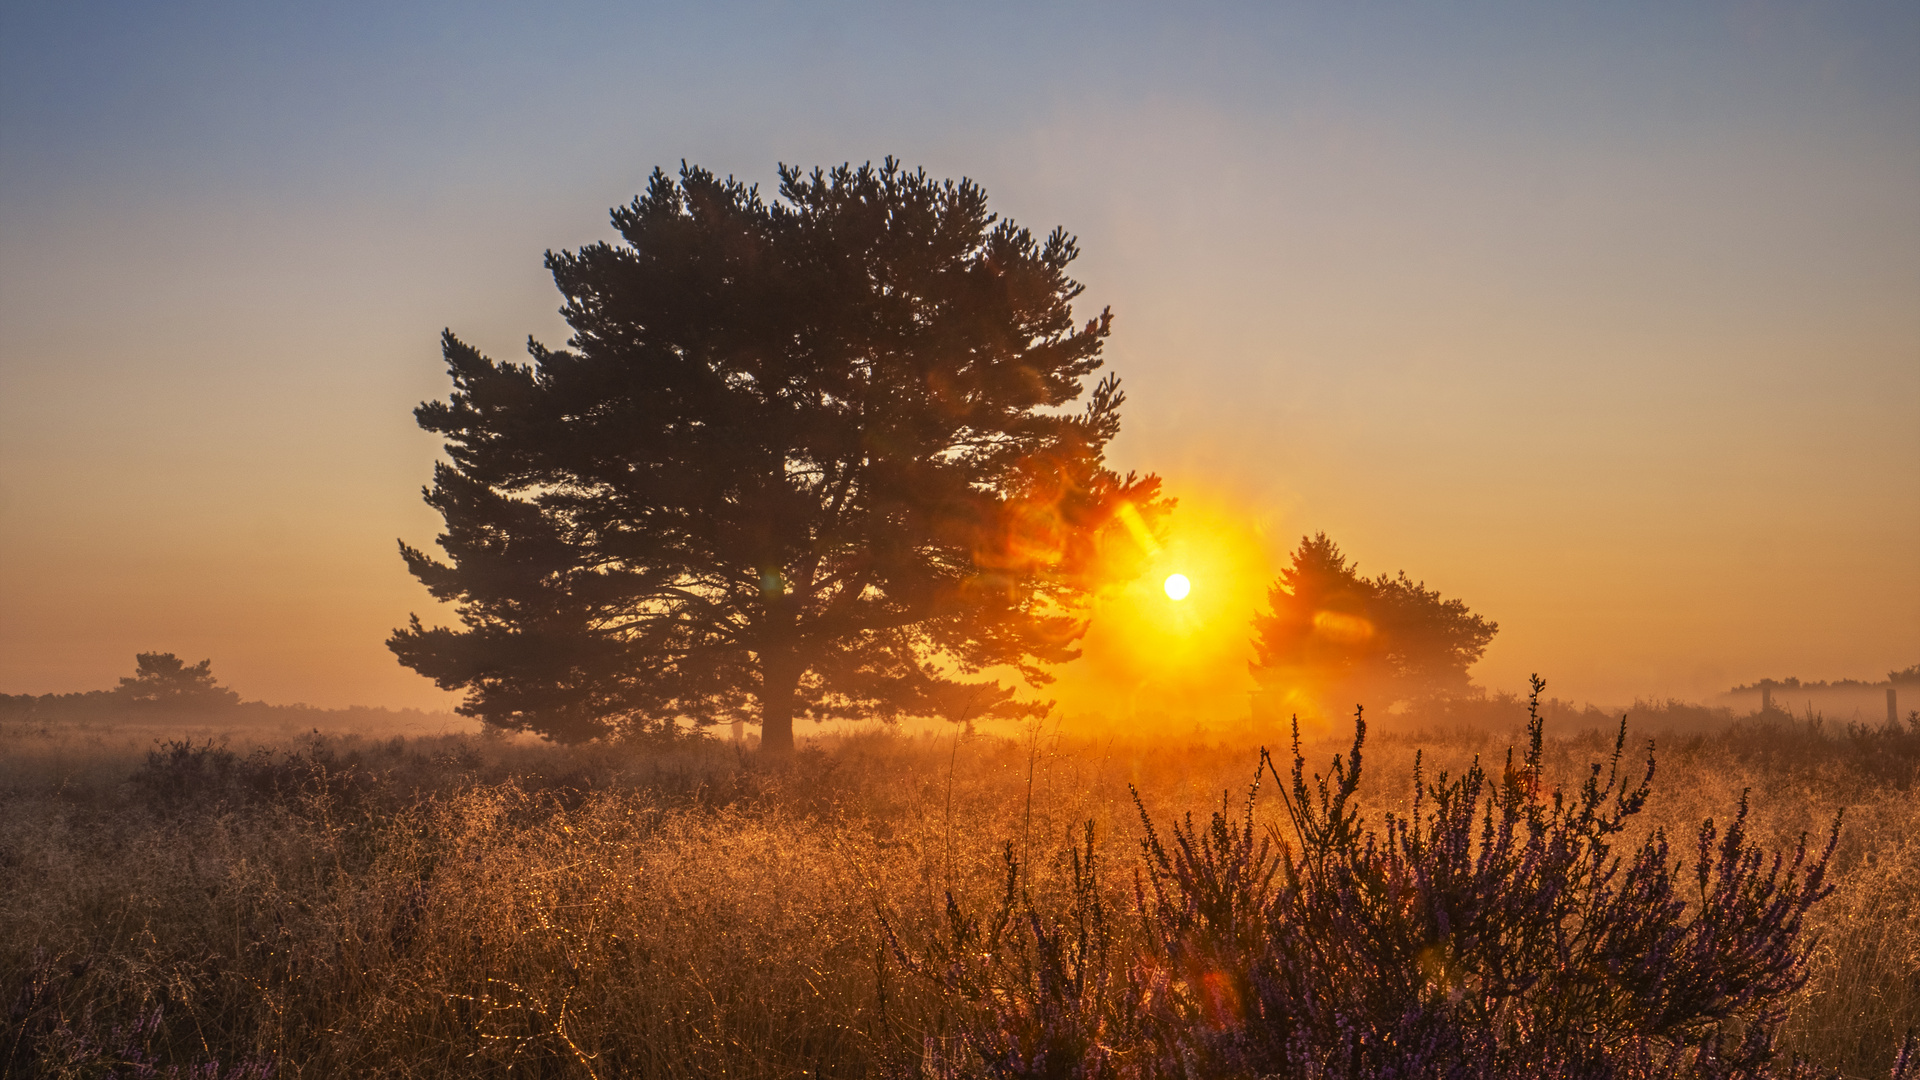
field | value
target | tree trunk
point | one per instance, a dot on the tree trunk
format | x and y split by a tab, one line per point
779	677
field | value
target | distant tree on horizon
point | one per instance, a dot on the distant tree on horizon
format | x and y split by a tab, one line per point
165	680
1338	638
808	457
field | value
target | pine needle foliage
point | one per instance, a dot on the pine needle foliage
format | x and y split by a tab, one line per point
829	455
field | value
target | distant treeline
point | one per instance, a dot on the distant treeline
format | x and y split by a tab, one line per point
1908	677
107	705
1507	710
1828	702
166	688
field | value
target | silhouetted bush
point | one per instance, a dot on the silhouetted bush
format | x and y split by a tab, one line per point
1037	989
47	1035
1490	931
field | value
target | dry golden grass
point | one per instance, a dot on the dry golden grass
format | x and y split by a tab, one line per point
459	905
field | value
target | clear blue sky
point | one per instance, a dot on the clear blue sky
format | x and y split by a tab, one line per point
1605	318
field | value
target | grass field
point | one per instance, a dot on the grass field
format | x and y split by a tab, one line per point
248	903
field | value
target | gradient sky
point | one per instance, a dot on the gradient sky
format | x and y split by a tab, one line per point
1603	318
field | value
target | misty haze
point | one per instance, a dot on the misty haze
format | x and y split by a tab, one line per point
949	542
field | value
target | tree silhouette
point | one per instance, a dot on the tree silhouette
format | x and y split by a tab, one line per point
164	679
801	457
1334	636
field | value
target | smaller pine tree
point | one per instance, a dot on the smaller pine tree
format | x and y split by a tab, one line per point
164	680
1333	637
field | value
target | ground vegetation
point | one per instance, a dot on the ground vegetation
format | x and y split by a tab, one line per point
485	905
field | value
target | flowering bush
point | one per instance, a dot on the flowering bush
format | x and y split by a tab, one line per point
1493	930
46	1036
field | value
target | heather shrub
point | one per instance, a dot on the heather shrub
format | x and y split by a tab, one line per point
51	1034
1495	929
1036	986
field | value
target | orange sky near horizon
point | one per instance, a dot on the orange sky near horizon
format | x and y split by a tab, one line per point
1606	324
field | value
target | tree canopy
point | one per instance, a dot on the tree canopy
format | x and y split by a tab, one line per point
810	456
165	680
1334	637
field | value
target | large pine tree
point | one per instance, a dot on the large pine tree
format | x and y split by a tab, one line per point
808	456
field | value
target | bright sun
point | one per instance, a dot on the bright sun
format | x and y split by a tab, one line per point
1178	586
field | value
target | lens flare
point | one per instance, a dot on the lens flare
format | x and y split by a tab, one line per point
1343	628
1177	586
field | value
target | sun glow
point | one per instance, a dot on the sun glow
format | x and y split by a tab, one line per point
1169	641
